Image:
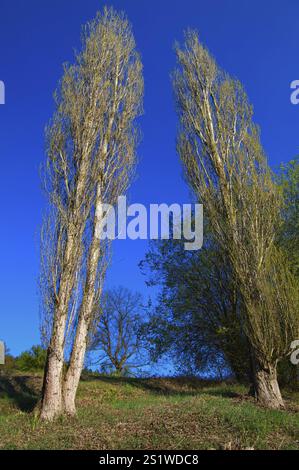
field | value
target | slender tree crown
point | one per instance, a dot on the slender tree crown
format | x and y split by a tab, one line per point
226	167
91	149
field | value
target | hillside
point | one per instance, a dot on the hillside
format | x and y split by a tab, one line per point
174	413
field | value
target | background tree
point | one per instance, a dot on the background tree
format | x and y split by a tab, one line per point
225	165
198	319
91	158
34	359
116	342
288	181
197	322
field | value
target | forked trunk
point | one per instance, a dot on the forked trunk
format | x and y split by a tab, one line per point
265	385
52	405
75	368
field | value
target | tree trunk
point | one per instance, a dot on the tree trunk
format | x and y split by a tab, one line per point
52	394
265	385
76	364
73	375
51	405
75	368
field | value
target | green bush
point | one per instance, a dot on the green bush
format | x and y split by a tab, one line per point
34	359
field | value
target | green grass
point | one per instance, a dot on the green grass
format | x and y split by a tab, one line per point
115	413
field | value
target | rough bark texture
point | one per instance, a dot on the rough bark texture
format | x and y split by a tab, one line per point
85	316
52	399
266	388
51	405
73	374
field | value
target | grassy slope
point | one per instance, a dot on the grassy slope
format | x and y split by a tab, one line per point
147	414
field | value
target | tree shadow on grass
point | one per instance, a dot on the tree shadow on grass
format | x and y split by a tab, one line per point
20	391
224	393
188	386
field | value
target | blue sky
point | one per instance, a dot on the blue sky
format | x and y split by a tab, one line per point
253	40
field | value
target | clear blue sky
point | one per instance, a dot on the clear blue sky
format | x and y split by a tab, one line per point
257	41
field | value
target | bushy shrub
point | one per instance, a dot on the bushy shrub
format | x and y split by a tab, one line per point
34	359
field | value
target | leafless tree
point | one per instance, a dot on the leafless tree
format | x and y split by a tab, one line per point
117	342
226	167
91	148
